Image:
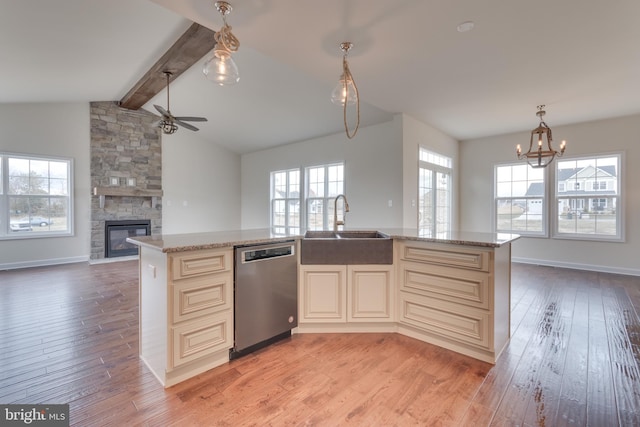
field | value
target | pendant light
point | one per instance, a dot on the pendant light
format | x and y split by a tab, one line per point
221	68
541	156
346	92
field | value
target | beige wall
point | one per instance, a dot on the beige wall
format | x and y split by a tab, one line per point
55	129
477	158
416	134
201	184
201	180
373	174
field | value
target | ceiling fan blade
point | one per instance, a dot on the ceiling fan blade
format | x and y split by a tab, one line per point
185	125
162	110
191	119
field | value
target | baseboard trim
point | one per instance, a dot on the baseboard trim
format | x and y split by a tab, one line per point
43	262
578	266
114	259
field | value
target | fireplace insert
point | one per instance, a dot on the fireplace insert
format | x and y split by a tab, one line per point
116	233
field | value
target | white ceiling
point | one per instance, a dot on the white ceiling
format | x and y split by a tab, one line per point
579	57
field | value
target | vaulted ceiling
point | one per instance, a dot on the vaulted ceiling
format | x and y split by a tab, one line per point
578	57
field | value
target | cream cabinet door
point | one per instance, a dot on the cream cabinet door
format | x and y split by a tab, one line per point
370	293
323	293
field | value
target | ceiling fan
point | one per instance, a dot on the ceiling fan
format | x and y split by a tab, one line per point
169	122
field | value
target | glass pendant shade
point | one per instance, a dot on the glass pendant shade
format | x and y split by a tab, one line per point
221	68
344	91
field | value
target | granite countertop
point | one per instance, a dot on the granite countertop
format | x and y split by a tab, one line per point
220	239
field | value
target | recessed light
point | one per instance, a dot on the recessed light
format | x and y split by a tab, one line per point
465	26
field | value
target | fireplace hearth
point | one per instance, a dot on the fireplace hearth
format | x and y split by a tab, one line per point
116	233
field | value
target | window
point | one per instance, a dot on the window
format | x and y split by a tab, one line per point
520	200
592	210
35	196
600	185
323	184
434	194
285	201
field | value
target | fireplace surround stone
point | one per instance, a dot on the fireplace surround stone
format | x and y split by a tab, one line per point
125	148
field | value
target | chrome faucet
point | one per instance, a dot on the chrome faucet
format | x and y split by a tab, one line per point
336	223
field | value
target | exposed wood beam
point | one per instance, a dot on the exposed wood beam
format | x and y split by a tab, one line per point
186	51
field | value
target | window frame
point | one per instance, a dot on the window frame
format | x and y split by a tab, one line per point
544	211
288	227
328	195
304	200
5	198
435	164
586	201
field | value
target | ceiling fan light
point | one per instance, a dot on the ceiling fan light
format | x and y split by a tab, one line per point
168	127
344	90
221	68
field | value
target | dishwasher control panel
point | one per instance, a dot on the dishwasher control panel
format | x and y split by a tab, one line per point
251	255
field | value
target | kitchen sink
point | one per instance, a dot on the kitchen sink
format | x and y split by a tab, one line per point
350	234
346	247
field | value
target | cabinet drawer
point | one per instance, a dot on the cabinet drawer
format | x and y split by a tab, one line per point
201	337
451	284
463	324
201	296
197	263
473	259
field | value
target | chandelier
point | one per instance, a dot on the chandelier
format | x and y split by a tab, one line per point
221	68
541	156
346	92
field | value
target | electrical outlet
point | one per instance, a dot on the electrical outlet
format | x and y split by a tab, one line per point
390	203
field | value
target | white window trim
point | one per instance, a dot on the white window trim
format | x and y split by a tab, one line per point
272	200
436	168
304	197
620	216
328	222
546	225
5	232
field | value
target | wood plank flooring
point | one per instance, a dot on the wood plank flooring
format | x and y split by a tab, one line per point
69	334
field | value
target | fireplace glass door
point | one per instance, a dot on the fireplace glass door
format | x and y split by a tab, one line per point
116	233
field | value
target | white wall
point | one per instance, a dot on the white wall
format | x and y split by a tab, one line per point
55	129
373	174
477	158
416	134
201	184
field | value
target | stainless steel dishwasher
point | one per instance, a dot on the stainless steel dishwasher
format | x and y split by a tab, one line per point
266	295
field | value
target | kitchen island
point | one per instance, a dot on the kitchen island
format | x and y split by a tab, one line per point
452	292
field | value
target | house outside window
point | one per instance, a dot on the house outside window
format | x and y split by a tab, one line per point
285	201
592	210
434	194
35	196
520	195
323	184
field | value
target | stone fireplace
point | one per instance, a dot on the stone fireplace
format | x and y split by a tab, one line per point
126	170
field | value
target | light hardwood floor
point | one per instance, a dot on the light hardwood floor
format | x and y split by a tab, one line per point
68	334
